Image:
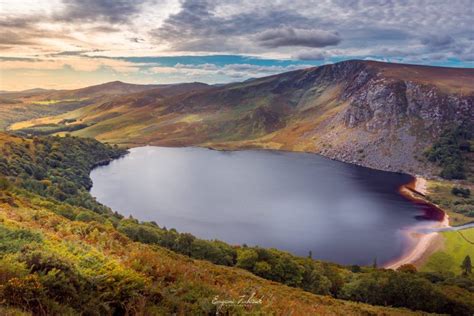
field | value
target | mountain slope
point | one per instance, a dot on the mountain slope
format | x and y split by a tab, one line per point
375	114
18	107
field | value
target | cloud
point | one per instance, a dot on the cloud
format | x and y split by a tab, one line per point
438	41
78	63
200	26
112	11
72	31
17	22
297	37
13	38
235	71
310	55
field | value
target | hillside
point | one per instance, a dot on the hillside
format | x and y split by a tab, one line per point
34	103
20	106
62	252
375	114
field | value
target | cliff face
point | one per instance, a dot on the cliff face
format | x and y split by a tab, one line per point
389	120
379	103
379	115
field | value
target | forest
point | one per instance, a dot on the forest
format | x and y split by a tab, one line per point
450	150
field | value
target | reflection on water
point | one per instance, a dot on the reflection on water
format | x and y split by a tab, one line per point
291	201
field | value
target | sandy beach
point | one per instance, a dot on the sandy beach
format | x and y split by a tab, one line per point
422	245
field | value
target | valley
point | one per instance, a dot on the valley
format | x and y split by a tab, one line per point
415	120
378	115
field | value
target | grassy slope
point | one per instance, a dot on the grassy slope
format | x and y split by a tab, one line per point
186	285
439	192
456	247
27	109
16	107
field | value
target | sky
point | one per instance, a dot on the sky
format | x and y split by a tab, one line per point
66	44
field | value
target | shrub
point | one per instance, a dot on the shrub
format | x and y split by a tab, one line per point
407	268
462	192
25	292
12	240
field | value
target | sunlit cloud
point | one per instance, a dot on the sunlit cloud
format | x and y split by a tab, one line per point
88	36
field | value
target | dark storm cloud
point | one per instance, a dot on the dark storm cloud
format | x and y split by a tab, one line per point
310	55
438	41
298	37
112	11
197	27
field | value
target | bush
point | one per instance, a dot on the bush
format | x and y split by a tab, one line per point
389	288
25	292
10	268
88	216
409	268
462	192
13	240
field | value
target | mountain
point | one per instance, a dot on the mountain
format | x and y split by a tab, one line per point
375	114
109	88
27	92
24	105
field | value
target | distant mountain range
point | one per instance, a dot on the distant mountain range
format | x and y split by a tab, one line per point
380	115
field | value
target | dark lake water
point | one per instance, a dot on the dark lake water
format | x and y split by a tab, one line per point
290	201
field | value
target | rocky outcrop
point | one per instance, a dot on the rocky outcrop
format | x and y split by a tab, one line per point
380	103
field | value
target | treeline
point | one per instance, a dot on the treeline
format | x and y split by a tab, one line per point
48	129
448	151
57	169
431	292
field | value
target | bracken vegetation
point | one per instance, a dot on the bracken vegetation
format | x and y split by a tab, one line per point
63	253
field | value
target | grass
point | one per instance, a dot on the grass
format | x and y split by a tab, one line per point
27	114
439	192
191	118
52	102
455	249
10	311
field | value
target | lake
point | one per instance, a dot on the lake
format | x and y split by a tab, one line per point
291	201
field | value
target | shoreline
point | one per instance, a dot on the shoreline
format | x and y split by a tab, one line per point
422	245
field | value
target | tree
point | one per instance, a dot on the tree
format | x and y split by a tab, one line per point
374	264
246	258
466	265
407	268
